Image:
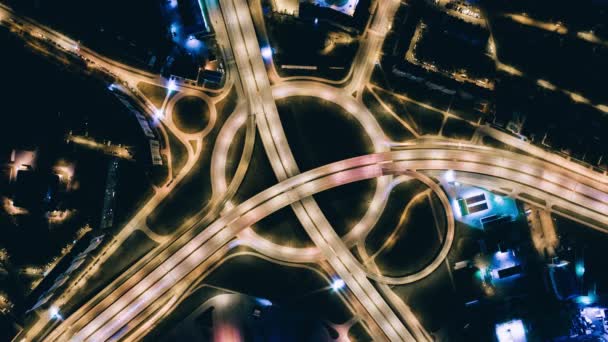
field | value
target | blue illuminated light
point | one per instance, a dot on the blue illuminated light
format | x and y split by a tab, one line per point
580	269
481	274
193	43
267	52
337	284
264	302
172	86
585	300
503	255
173	3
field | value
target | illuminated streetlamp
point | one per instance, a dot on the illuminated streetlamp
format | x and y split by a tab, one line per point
337	284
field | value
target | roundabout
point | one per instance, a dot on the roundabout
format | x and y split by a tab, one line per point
341	110
191	114
357	234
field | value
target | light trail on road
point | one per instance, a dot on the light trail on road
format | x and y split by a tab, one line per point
256	86
479	164
128	303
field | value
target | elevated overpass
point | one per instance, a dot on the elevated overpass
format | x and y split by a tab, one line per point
486	167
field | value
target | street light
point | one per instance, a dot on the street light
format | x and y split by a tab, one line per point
172	85
337	285
54	313
580	269
267	52
264	302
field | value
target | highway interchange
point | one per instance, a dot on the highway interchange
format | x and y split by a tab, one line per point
129	307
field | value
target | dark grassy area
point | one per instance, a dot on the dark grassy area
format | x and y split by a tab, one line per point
417	243
429	121
185	308
235	152
465	245
191	114
259	176
154	93
393	129
320	132
185	201
424	120
286	286
159	173
282	227
434	303
467	108
458	129
179	153
398	107
133	249
346	205
357	333
226	106
398	198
